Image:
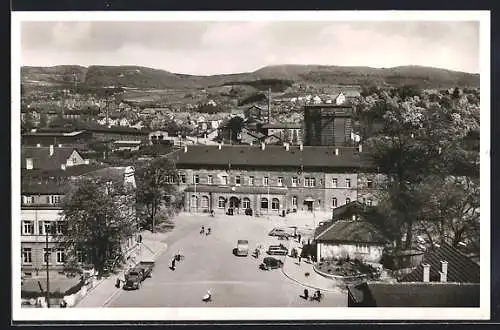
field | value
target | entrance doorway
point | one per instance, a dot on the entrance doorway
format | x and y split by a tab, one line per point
234	202
309	205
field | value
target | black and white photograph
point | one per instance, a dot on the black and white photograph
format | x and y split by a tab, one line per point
306	165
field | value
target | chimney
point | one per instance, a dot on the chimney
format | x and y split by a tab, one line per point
442	277
336	151
360	148
263	146
427	271
29	163
59	145
287	146
444	268
87	161
251	143
51	149
185	148
301	147
38	145
220	146
63	167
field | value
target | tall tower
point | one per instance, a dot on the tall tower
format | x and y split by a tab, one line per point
269	105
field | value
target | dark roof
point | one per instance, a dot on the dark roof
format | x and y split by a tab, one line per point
43	188
113	173
377	294
283	125
461	269
117	130
71	171
42	158
351	231
347	210
237	190
244	155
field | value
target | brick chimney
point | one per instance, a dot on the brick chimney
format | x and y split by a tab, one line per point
185	149
29	163
51	150
263	146
360	148
427	271
220	146
336	151
287	146
301	147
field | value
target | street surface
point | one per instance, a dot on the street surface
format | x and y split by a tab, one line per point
209	264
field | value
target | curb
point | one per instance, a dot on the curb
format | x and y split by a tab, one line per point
307	285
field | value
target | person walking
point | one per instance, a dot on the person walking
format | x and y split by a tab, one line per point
209	231
202	231
306	294
173	264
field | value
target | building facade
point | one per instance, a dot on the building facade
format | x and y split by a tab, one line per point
272	179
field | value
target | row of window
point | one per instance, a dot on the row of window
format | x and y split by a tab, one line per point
308	181
44	227
55	199
27	256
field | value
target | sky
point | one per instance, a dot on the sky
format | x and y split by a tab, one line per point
218	47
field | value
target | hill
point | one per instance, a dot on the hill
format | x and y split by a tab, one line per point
143	77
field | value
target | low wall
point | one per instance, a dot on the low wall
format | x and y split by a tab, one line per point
345	279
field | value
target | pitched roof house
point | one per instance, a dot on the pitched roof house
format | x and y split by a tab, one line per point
448	261
50	158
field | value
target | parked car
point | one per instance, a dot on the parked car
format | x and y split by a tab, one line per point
270	263
277	250
133	279
279	232
242	248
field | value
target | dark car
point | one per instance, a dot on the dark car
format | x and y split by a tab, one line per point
270	263
278	232
133	279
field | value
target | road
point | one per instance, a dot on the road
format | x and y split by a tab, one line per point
210	264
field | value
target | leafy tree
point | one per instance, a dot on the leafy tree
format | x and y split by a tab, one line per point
234	126
99	215
155	180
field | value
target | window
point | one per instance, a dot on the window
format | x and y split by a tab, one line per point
246	203
334	182
60	228
294	181
294	201
347	200
210	179
194	201
348	183
250	180
80	256
334	202
275	204
183	178
46	255
363	248
221	203
45	227
280	181
313	182
364	200
264	203
196	179
237	180
369	183
370	202
224	179
307	182
265	181
29	199
26	255
204	202
60	256
28	228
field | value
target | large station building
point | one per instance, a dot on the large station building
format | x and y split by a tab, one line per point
273	179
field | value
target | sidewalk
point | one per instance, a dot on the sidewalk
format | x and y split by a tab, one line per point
296	272
104	289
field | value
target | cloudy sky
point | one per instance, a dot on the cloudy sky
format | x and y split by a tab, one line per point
230	47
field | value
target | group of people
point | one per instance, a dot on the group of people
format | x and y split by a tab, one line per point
316	296
207	232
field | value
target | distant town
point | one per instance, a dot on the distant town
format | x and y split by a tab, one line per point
261	193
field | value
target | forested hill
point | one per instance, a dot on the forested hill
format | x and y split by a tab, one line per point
143	77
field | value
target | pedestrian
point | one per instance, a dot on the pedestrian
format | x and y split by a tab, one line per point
306	293
209	231
299	237
202	231
63	304
300	258
173	264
